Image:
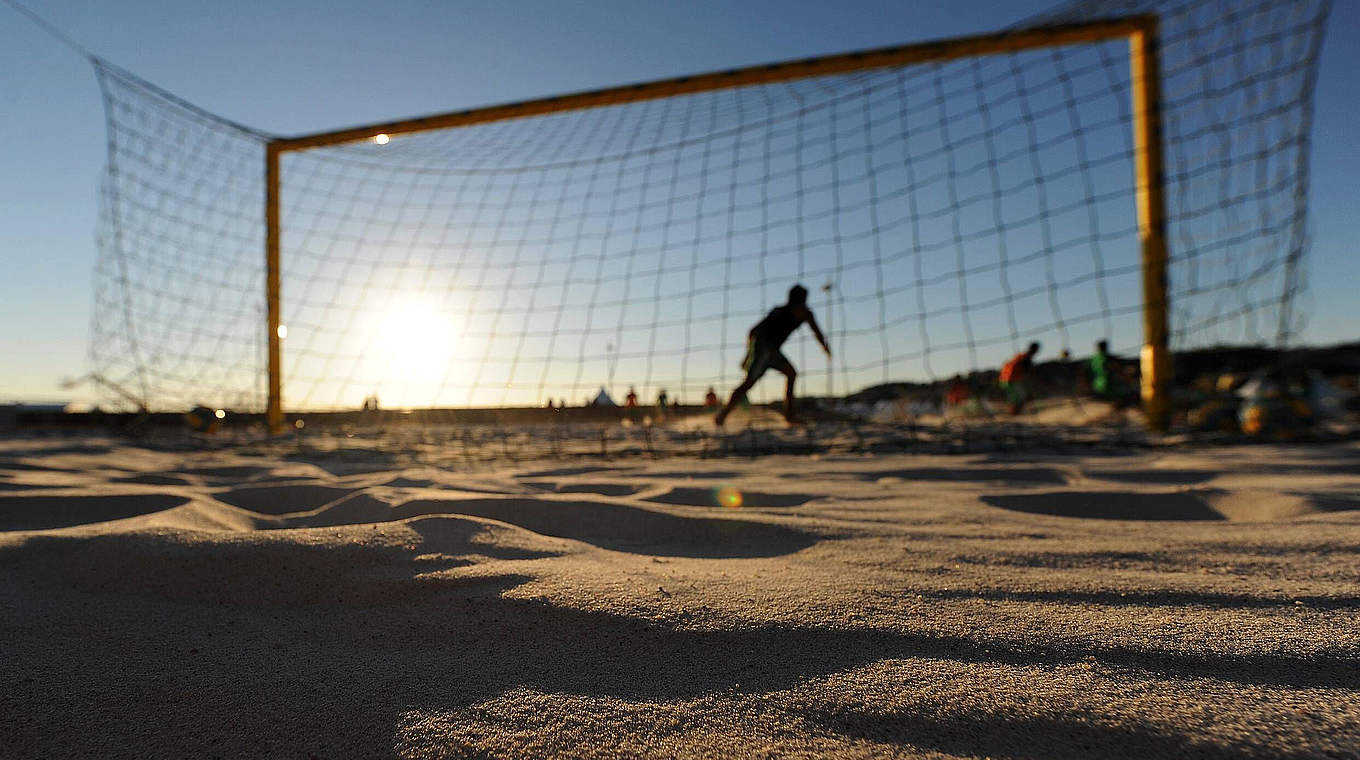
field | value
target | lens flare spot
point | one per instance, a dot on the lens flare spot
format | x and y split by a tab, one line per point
728	496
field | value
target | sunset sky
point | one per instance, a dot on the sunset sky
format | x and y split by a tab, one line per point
301	67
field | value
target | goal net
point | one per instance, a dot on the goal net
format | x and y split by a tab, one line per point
943	215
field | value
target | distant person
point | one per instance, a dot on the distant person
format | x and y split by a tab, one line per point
1014	378
763	344
663	400
711	399
1107	381
550	404
958	392
630	400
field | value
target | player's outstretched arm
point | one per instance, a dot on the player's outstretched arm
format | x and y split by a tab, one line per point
817	332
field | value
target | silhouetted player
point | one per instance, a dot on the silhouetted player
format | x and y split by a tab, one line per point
763	353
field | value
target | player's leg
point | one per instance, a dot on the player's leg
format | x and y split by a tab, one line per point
759	358
783	364
737	396
1012	393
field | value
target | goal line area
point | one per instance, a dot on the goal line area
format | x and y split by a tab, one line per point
943	212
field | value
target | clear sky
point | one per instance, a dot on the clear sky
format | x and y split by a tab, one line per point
306	66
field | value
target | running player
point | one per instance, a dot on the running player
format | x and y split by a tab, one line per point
763	352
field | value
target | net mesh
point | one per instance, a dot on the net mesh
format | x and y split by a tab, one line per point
942	215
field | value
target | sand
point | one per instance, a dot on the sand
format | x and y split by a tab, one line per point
251	602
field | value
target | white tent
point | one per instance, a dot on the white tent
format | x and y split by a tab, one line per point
603	399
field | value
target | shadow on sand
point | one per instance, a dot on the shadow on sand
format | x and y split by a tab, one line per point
47	512
1108	505
284	499
601	489
153	479
7	486
225	475
688	475
626	529
1043	475
708	497
347	461
1334	502
974	733
1145	598
444	642
13	466
1153	475
569	471
298	626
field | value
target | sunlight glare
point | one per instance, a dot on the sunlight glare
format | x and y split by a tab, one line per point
411	344
729	496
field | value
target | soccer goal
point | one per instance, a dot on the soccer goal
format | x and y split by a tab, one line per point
1137	178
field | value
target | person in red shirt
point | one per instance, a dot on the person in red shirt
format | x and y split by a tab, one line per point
958	392
1013	378
630	400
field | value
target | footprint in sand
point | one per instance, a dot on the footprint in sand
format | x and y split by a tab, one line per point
154	479
1203	504
282	500
601	489
1108	505
1152	475
47	512
569	471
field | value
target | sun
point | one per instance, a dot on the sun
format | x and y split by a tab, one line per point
411	343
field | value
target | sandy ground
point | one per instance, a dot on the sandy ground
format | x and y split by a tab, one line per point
252	603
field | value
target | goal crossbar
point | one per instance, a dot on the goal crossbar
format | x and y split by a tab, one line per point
1141	31
933	51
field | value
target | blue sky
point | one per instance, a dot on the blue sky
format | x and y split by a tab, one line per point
308	66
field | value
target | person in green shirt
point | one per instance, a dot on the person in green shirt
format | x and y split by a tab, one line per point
1107	382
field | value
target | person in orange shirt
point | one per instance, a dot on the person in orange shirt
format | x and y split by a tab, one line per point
1013	378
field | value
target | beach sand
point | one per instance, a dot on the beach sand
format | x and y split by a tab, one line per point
250	602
